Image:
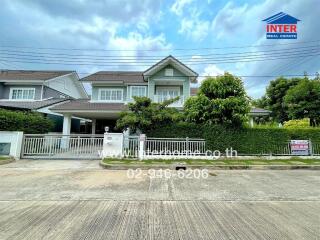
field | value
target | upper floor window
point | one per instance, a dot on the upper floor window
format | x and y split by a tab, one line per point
111	94
168	72
22	93
138	91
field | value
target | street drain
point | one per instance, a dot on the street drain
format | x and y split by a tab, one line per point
181	168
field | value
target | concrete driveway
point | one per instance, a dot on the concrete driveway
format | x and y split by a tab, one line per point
42	199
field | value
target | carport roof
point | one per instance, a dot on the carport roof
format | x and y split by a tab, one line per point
259	112
87	105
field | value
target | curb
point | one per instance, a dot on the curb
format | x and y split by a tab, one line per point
211	167
10	160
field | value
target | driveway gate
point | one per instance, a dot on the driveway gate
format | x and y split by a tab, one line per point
58	146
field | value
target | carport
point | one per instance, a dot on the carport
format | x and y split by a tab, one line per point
98	112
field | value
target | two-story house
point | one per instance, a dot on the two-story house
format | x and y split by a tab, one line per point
39	90
113	90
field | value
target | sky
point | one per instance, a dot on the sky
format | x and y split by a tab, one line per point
73	34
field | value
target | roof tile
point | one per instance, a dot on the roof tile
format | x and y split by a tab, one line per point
85	104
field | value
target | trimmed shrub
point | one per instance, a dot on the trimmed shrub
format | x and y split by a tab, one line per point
28	122
297	123
244	140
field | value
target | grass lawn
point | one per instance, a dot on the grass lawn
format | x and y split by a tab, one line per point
218	162
5	160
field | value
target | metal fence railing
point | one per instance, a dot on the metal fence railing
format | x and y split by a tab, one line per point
172	146
131	146
315	148
279	149
61	146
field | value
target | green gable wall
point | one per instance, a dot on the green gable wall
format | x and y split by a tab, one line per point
177	76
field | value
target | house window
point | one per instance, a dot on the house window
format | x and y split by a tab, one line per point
168	72
167	93
111	94
22	93
138	91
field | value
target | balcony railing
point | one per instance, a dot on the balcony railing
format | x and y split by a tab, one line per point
162	98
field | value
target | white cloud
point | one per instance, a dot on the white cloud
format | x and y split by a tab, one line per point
33	26
210	70
136	41
194	28
179	6
228	19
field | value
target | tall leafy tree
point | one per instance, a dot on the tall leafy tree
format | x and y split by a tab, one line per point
220	100
303	101
144	115
275	94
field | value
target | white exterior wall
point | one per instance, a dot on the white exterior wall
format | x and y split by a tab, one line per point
15	139
65	84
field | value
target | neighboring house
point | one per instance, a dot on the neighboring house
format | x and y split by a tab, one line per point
38	90
113	90
257	112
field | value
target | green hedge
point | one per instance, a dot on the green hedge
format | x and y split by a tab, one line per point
28	122
244	140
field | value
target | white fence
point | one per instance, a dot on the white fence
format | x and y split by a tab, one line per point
131	146
174	146
86	146
62	146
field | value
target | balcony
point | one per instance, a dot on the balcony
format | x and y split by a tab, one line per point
162	98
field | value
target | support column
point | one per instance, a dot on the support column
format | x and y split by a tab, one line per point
66	129
93	126
66	124
142	139
251	122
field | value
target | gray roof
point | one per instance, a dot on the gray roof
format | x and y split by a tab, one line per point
259	110
86	105
30	105
170	57
126	77
31	75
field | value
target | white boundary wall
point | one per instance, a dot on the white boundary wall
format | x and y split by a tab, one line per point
15	139
112	145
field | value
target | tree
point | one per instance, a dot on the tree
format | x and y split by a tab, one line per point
220	100
275	94
260	102
303	101
145	115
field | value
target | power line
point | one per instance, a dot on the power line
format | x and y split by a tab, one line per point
156	50
140	63
49	58
209	75
152	57
303	61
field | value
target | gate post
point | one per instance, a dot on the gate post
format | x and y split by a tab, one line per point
112	145
142	139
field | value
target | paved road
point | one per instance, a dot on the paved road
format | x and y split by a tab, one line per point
79	200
